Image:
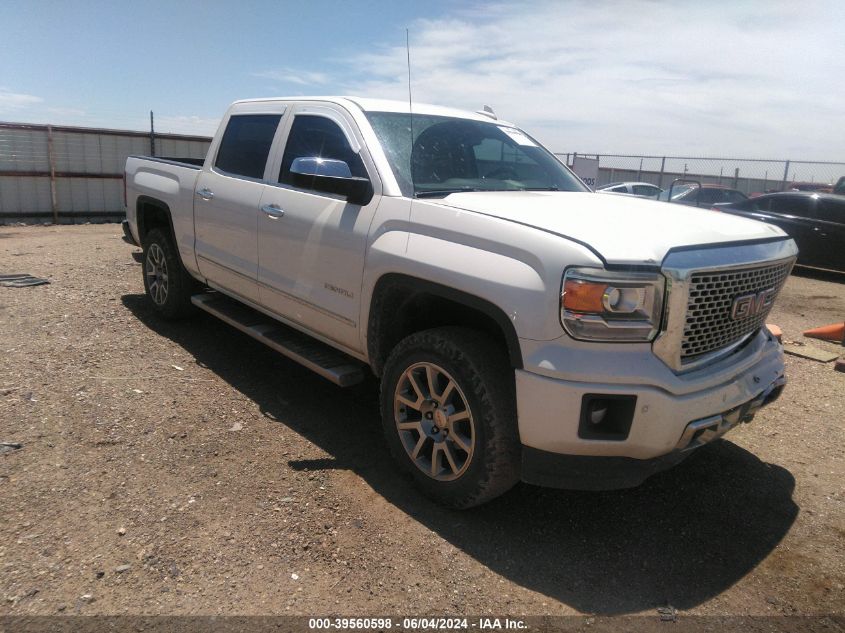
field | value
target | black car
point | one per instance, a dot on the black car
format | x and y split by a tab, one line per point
816	221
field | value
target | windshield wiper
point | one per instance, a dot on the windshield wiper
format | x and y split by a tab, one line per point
436	193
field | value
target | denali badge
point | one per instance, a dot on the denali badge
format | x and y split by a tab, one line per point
749	305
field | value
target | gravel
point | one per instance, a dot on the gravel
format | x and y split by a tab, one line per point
213	476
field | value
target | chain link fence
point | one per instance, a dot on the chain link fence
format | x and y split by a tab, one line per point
749	175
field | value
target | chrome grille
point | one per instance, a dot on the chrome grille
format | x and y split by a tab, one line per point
709	325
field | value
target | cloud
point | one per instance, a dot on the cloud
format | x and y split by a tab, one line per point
13	101
748	79
292	76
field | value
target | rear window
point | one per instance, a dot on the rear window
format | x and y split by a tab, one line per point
246	144
800	206
732	195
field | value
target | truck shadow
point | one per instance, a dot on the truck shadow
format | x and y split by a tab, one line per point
821	274
681	538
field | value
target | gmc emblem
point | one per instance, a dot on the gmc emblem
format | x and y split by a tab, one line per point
749	305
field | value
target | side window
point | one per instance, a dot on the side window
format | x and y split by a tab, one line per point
643	190
792	205
246	144
707	196
734	196
759	204
317	136
831	211
622	189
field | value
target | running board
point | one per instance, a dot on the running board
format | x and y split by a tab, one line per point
320	358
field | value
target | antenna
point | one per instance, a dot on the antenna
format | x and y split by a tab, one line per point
410	111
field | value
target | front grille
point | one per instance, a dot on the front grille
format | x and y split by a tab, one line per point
709	324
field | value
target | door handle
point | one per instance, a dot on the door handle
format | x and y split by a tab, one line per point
272	211
205	193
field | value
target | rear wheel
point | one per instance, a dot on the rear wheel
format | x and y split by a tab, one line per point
167	283
449	415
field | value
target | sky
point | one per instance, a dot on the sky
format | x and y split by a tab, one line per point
743	79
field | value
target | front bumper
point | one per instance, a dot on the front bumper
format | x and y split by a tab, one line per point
669	416
597	472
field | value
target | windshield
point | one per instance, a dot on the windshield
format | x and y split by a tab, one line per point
452	155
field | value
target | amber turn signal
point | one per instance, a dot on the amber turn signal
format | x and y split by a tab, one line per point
583	296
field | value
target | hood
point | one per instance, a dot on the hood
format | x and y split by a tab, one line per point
622	229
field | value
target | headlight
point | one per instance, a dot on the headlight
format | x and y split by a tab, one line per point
599	305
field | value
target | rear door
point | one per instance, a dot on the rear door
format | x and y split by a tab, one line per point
227	197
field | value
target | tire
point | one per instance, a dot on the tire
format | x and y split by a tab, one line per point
168	285
455	432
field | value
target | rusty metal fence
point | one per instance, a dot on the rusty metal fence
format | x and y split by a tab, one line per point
74	174
749	175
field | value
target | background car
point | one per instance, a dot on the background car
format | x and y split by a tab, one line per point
704	196
839	187
642	189
816	221
821	187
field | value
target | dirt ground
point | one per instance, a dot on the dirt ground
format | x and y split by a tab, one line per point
186	469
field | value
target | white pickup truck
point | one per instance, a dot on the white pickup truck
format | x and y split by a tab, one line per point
522	326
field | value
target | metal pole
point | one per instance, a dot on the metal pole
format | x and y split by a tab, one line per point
765	181
736	177
152	136
662	168
640	171
54	203
721	169
785	176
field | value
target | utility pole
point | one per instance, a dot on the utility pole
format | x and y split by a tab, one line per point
152	136
51	153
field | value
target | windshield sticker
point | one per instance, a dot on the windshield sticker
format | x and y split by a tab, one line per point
518	136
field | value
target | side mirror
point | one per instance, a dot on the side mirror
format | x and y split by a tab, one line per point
331	176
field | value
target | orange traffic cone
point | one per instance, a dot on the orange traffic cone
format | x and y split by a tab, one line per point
834	332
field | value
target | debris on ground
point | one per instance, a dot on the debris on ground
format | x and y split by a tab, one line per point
667	613
808	351
21	280
776	331
8	447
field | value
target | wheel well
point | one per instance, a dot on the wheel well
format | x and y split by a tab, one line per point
403	305
153	214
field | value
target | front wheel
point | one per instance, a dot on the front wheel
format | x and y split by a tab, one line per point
167	283
449	415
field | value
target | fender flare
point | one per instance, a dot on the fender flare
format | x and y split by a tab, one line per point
415	285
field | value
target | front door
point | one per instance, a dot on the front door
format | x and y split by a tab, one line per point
311	245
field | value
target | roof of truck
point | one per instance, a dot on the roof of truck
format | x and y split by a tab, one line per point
387	105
